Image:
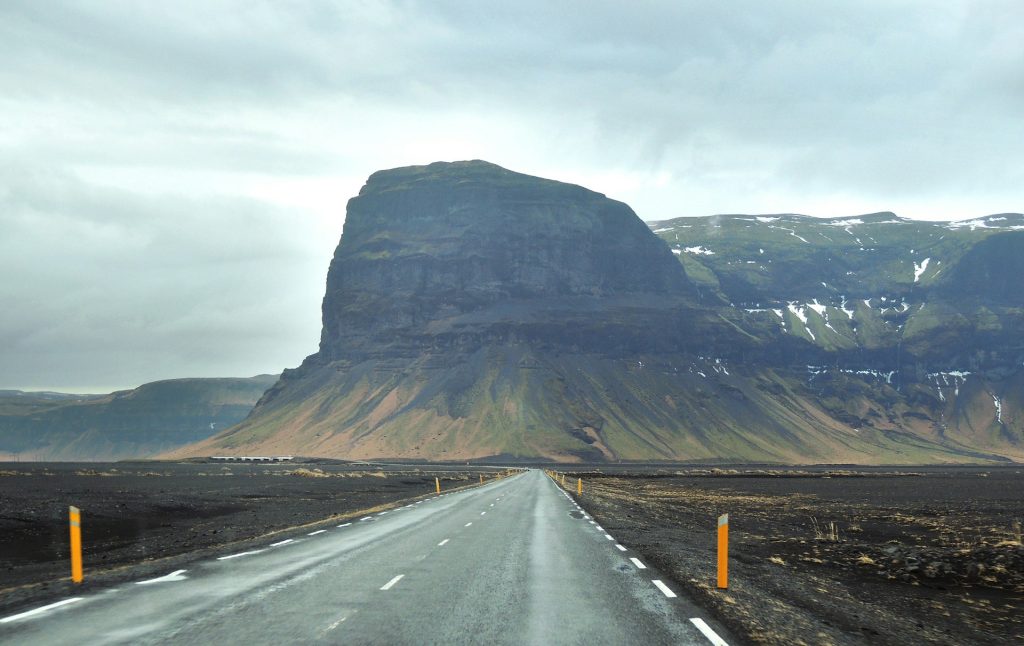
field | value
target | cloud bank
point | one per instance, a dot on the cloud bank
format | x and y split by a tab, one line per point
173	177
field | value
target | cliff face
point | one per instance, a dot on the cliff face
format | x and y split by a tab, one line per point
472	312
467	254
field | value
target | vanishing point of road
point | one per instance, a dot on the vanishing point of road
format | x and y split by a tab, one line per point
515	561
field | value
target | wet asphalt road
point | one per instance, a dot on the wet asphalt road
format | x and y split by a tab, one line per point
511	562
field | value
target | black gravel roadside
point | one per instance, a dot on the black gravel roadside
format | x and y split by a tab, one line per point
915	560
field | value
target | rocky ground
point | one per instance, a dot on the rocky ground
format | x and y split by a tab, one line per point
907	556
142	517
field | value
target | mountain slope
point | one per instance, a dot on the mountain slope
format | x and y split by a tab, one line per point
150	419
471	312
901	324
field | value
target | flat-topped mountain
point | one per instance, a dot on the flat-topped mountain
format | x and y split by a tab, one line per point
466	255
472	312
141	422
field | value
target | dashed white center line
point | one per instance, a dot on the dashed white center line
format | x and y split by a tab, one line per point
344	525
319	531
443	542
664	588
366	518
637	563
284	542
40	610
468	524
382	513
483	513
235	556
387	586
492	504
706	630
620	547
173	576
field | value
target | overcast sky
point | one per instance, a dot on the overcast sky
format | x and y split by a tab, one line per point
173	175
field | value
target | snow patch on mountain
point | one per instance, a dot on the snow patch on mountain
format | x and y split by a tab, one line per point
919	269
700	251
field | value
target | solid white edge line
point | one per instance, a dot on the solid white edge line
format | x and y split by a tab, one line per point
609	537
319	531
443	542
387	586
173	576
235	556
637	563
284	542
620	547
40	610
664	588
706	630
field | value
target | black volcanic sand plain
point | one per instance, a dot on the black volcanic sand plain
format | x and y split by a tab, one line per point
917	556
147	518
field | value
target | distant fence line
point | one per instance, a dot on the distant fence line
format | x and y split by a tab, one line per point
253	458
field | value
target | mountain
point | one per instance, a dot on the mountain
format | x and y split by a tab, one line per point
471	312
906	326
150	419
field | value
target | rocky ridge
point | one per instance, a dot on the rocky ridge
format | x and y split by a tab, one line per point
144	421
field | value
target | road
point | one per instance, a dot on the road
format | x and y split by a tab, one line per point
512	562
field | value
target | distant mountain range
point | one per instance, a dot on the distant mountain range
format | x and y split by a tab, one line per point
142	422
474	312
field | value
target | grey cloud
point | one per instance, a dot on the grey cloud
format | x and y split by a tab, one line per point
107	285
132	137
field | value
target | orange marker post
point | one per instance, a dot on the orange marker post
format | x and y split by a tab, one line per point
723	551
579	486
437	483
76	544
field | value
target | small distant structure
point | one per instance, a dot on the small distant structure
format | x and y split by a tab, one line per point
253	458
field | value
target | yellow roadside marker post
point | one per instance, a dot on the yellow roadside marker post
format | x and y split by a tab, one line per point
563	479
76	544
723	551
579	486
437	483
481	478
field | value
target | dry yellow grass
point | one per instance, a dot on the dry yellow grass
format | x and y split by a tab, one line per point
308	473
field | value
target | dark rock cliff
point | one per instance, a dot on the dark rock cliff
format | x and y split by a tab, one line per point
466	254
